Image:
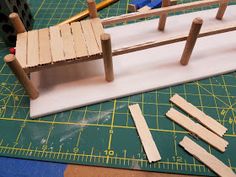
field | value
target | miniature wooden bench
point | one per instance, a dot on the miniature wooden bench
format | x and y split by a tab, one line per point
86	40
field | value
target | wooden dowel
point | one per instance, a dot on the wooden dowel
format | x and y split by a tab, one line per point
92	9
17	23
221	10
107	56
191	40
163	17
16	68
158	12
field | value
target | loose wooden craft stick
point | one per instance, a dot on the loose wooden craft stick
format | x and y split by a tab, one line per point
21	48
204	119
17	23
16	68
107	56
191	40
33	48
92	9
163	17
221	10
197	129
208	159
144	134
158	12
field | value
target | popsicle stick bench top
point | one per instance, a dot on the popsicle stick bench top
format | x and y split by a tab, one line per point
76	41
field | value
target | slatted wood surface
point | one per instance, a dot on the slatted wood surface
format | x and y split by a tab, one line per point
59	43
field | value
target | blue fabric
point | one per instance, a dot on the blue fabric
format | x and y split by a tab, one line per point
140	3
10	167
155	4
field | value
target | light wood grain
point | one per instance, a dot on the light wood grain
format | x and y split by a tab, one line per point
97	29
163	17
33	48
191	40
144	134
221	10
16	68
208	159
107	57
132	8
21	48
17	23
56	44
68	42
92	9
90	39
204	119
45	55
158	12
79	41
197	129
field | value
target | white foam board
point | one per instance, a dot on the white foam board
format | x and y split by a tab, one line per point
77	85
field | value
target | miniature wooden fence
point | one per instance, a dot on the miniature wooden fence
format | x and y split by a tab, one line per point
156	43
165	10
36	51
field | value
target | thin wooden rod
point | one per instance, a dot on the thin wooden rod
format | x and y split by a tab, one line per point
191	40
163	17
208	32
17	23
107	56
158	12
221	10
16	68
92	9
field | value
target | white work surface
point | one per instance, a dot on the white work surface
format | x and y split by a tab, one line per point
81	84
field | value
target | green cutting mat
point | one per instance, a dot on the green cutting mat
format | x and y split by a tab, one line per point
104	134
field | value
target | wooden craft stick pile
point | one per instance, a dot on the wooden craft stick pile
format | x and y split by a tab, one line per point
208	130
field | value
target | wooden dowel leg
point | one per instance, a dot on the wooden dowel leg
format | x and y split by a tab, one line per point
163	17
191	40
92	9
107	56
221	10
16	68
17	23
